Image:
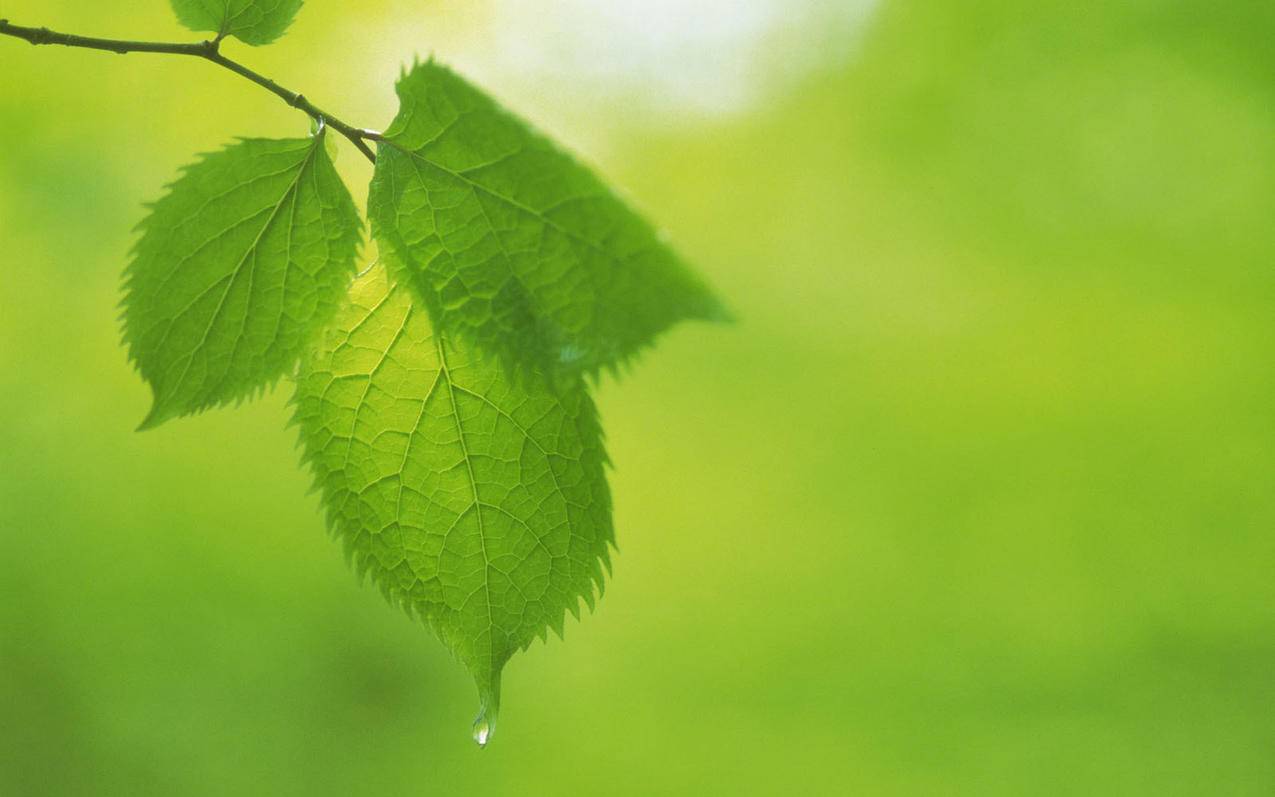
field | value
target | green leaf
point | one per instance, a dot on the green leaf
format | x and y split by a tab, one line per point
254	22
477	503
512	244
238	265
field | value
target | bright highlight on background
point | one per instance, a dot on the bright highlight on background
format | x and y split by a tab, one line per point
666	58
671	56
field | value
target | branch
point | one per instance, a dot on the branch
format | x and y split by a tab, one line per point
209	51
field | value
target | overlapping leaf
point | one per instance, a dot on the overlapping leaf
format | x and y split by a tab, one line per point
513	245
477	502
254	22
249	252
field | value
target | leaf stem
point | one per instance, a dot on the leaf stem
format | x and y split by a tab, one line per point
209	51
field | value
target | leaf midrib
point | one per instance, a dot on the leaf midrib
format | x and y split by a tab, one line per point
445	373
532	212
252	247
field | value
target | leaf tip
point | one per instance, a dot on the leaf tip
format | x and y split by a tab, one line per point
718	313
156	417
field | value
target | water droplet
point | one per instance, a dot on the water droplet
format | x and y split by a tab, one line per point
483	730
488	708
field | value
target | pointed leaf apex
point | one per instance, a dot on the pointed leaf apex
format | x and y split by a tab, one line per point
157	416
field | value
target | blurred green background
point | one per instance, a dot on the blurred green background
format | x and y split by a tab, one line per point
976	499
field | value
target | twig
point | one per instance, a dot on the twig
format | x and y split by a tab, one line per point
209	51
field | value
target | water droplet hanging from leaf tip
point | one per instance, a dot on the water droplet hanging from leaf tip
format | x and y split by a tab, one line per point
482	730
